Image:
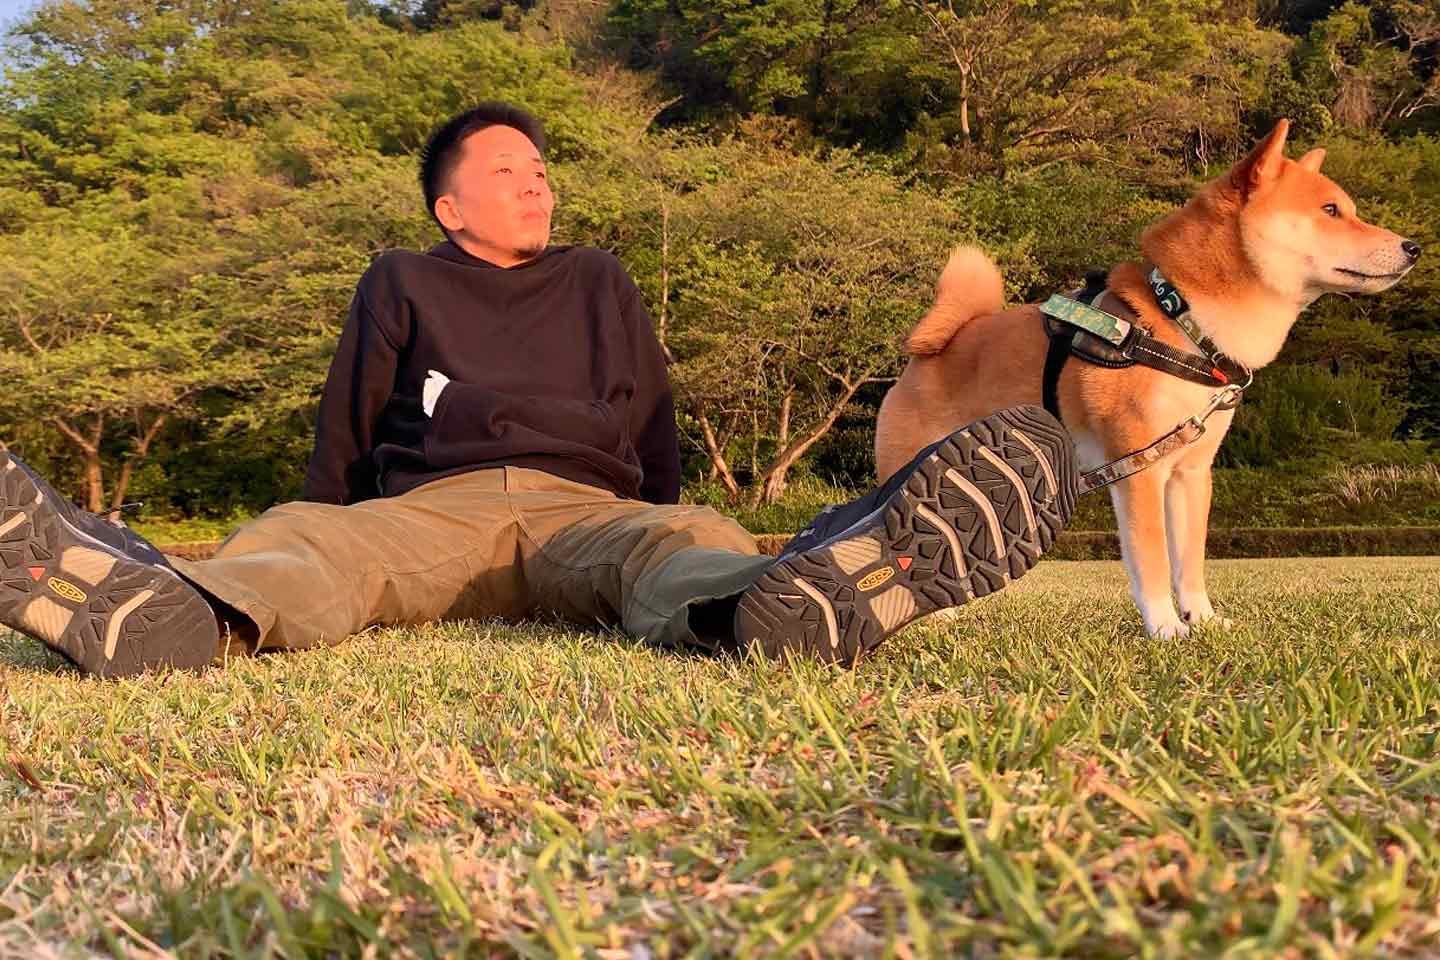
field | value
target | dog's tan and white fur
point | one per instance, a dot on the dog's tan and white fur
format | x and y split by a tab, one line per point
1249	252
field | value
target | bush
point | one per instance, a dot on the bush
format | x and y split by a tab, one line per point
804	498
1293	412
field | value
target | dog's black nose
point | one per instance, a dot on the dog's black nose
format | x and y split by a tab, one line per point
1412	250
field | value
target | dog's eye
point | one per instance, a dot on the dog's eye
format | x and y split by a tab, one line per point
1331	210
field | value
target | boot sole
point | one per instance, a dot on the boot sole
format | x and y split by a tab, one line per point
972	517
106	613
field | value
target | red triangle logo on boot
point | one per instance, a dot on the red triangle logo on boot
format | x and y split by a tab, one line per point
905	562
36	572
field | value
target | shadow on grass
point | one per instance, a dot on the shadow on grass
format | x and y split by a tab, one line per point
17	650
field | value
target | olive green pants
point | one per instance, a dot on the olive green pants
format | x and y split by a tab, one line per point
503	542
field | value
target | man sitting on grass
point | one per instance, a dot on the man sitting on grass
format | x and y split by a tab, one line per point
496	438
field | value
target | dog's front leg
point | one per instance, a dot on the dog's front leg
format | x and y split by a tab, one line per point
1187	519
1140	513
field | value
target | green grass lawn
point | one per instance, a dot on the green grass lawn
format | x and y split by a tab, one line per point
1035	778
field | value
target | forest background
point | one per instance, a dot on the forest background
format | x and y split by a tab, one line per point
190	189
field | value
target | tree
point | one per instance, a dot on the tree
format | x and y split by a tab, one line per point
820	61
189	191
969	84
106	365
968	33
1376	63
797	280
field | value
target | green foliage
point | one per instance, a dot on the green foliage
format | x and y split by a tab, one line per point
1293	411
803	499
804	301
1374	63
965	84
1047	228
187	198
777	311
189	191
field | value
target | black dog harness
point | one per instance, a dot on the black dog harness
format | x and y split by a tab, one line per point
1099	327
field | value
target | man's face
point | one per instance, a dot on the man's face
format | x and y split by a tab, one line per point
497	203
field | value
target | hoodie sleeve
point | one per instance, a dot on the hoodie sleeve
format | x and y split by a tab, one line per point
360	382
652	410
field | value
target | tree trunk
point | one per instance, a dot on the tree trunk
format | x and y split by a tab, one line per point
769	486
94	482
754	445
727	433
785	406
127	470
718	465
775	486
965	104
90	451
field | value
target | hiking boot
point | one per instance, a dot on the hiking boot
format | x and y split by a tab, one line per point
99	595
112	533
965	517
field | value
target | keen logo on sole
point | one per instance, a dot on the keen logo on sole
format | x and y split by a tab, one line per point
873	580
67	590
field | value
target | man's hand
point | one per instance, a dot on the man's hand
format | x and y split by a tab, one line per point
430	395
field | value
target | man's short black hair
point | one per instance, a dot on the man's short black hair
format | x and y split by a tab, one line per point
442	151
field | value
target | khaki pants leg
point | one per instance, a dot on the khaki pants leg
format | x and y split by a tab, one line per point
310	574
592	557
506	542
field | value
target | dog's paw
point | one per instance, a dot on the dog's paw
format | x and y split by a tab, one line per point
1210	621
1169	629
1162	620
1197	611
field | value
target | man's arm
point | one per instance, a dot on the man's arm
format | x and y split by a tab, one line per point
652	413
360	382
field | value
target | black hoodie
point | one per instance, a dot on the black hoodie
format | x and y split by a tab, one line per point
553	365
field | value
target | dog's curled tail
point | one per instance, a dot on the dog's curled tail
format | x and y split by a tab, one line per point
969	286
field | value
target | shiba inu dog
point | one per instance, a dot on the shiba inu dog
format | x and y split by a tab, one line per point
1247	253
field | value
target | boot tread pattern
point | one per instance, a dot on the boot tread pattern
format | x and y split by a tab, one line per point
108	613
976	514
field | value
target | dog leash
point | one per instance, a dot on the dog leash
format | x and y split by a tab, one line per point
1185	433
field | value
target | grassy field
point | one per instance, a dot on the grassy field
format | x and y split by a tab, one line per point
1036	778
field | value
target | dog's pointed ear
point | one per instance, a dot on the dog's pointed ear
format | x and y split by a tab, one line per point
1263	163
1312	160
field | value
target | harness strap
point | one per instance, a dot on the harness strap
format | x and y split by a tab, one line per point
1079	325
1127	341
1160	356
1062	343
1055	357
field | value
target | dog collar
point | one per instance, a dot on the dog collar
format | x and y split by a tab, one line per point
1228	370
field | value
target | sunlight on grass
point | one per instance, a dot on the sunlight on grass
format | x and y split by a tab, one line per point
1034	777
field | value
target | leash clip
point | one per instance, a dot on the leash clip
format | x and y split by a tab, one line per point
1186	432
1226	398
